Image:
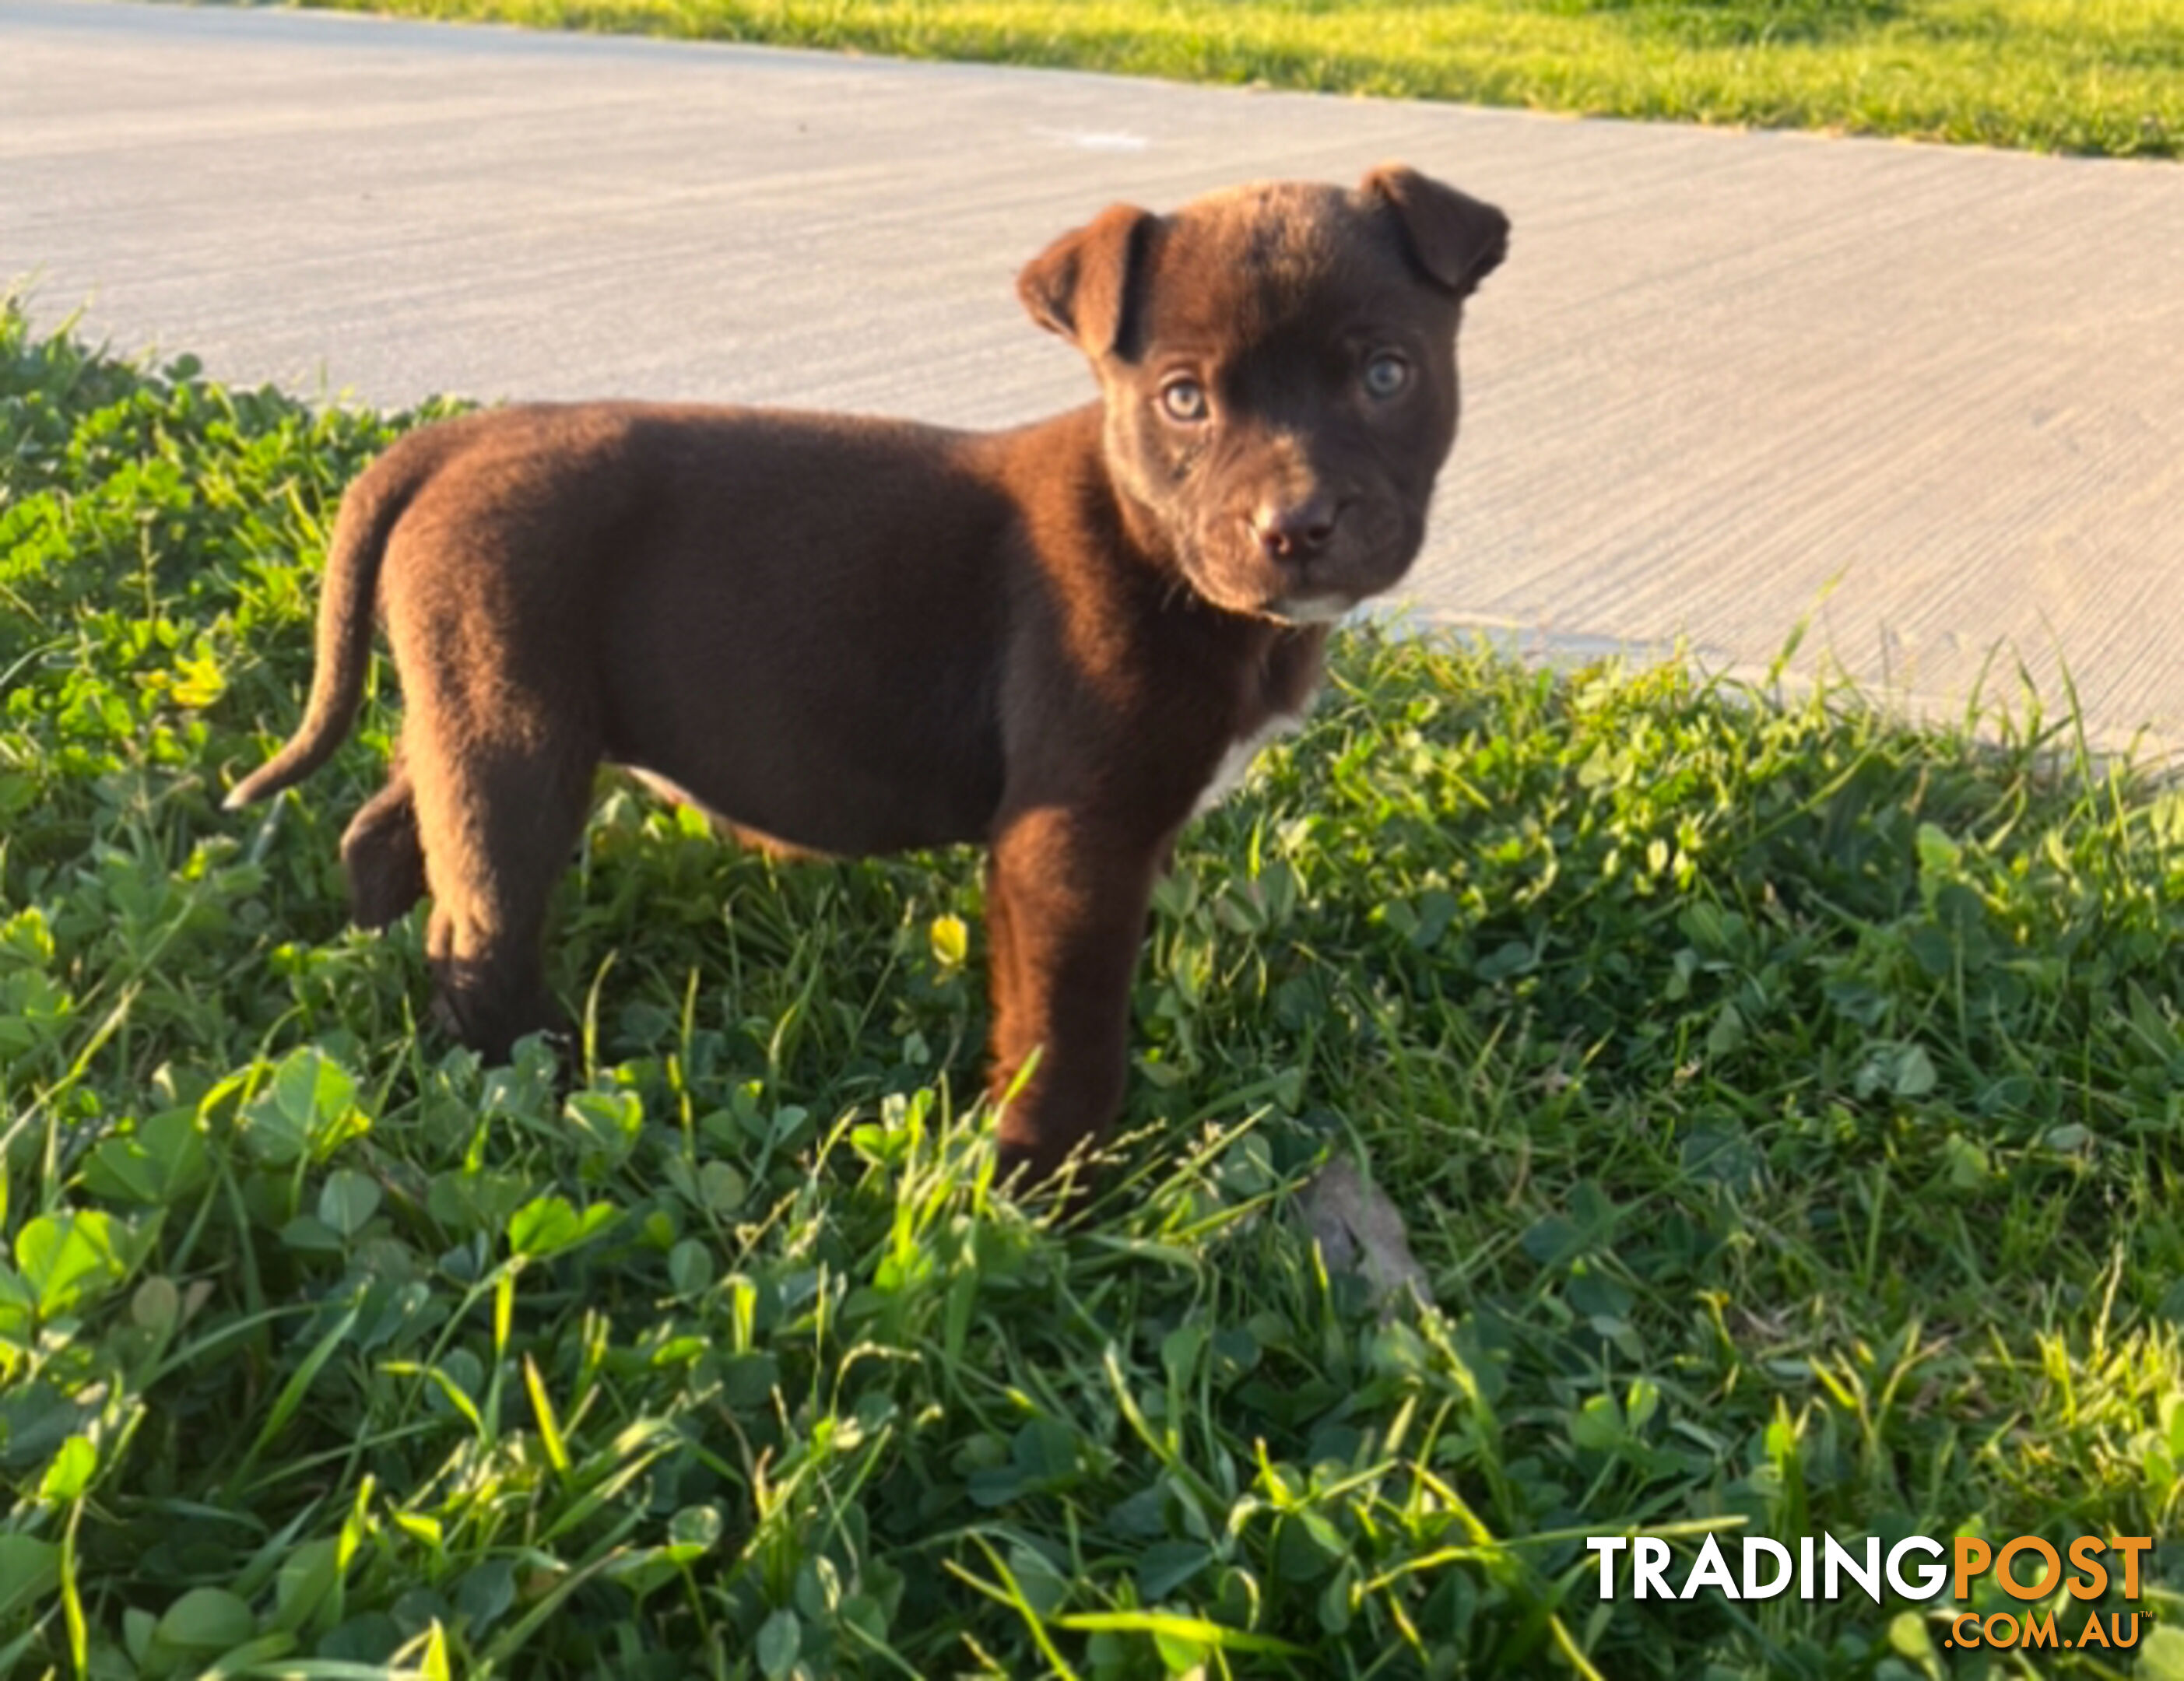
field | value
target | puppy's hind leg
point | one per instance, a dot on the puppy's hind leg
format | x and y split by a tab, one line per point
497	825
382	854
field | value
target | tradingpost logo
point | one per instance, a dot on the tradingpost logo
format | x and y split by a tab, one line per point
2026	1568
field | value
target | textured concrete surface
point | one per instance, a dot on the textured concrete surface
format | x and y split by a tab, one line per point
1932	399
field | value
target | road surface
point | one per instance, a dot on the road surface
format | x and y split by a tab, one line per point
1932	399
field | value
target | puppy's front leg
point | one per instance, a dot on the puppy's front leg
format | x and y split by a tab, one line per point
1066	903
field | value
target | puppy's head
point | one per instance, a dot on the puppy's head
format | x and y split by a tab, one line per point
1278	364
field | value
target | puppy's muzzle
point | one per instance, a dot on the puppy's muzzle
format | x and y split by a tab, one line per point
1294	534
1296	541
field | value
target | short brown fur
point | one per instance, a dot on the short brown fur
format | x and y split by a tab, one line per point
853	635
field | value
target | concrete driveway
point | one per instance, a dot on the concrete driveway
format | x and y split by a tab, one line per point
1933	398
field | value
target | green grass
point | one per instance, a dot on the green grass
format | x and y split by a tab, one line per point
2103	76
1784	1104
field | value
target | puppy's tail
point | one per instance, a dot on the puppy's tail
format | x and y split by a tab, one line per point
369	514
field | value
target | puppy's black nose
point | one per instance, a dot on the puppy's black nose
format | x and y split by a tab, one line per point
1295	531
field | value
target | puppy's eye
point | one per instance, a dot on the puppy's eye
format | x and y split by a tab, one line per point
1184	399
1385	375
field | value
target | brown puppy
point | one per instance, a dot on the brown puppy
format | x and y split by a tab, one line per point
855	636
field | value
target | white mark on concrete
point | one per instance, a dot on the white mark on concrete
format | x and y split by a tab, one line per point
1094	140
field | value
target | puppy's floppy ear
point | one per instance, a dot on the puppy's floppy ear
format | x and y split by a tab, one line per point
1456	239
1079	287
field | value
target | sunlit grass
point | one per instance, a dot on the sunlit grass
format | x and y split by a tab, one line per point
2070	76
1784	1103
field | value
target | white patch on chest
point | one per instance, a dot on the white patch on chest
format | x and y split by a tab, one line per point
1228	774
1315	610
